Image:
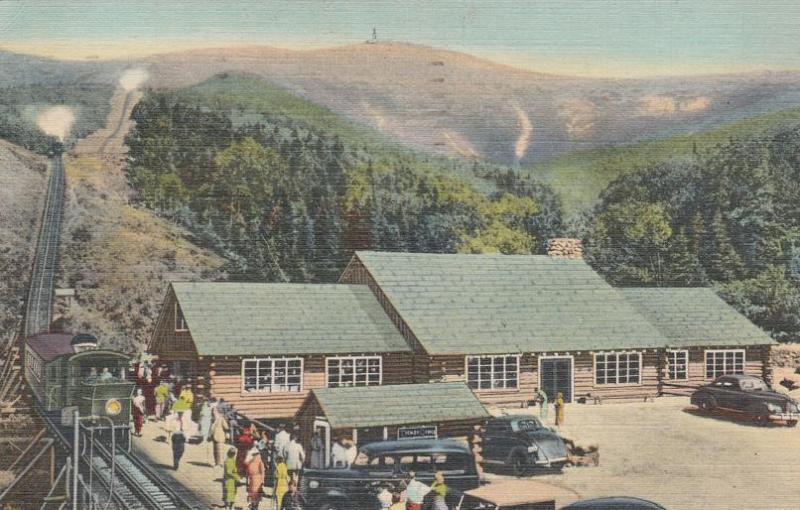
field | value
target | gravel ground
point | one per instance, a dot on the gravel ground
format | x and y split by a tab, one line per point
667	452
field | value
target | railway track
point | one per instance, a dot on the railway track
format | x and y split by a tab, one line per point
120	124
38	313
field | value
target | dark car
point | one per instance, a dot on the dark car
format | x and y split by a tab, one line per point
386	464
749	395
522	443
614	503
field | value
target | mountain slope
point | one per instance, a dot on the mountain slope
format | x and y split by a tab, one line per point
457	104
580	177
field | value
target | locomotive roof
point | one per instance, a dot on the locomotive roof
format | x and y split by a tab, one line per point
49	346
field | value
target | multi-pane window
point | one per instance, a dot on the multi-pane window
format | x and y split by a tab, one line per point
618	368
353	371
493	372
678	365
724	362
180	320
272	375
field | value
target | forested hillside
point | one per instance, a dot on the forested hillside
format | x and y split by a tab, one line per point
729	217
285	193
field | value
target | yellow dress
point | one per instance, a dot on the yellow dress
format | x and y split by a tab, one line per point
281	482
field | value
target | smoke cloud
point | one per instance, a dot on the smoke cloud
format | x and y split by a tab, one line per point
56	121
131	79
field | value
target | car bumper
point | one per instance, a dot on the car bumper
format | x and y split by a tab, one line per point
785	416
548	462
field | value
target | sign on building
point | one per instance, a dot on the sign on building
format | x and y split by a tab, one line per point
419	432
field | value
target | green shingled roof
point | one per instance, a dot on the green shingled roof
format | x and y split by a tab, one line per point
695	317
278	319
472	304
399	404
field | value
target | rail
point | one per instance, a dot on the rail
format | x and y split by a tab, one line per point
44	444
38	310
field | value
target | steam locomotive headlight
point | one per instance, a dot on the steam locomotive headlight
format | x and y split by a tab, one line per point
113	407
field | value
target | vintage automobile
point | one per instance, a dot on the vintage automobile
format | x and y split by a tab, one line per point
522	443
516	494
614	503
386	464
749	395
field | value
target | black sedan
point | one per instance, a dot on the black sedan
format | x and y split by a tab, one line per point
522	443
614	503
749	395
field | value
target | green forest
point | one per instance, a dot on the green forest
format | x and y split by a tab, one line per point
287	193
283	199
728	217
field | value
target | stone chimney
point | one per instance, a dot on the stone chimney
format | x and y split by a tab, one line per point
565	248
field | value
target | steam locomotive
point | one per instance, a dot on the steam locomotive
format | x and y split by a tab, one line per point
68	372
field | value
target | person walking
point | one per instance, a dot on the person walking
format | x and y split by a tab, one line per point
162	395
317	451
218	434
541	399
281	440
178	439
205	419
559	405
338	453
230	477
281	480
293	500
415	492
138	410
295	457
256	474
440	492
244	442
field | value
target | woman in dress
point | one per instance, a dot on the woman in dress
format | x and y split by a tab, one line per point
439	490
281	480
231	476
559	404
205	419
255	476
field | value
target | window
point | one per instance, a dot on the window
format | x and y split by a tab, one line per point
353	371
492	372
678	365
272	375
34	365
618	368
180	320
724	362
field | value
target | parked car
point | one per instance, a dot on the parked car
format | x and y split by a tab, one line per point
749	395
515	494
522	443
386	464
614	503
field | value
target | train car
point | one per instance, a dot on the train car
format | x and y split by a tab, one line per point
67	372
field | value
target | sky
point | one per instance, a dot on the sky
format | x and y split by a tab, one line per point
588	37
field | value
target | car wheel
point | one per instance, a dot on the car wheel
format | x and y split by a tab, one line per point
708	404
791	423
519	465
761	419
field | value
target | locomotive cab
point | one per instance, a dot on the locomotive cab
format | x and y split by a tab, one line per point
98	386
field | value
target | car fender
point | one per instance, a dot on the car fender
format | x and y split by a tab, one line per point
517	450
757	409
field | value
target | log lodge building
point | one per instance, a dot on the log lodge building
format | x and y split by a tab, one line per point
503	325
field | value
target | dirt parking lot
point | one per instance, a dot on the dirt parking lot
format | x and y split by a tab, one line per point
667	452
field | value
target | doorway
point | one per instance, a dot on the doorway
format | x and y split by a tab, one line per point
555	375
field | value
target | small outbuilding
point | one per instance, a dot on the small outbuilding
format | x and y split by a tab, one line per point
400	411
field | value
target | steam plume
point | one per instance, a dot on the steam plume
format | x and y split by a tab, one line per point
131	79
526	128
56	121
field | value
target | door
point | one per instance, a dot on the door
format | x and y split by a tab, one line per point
555	375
